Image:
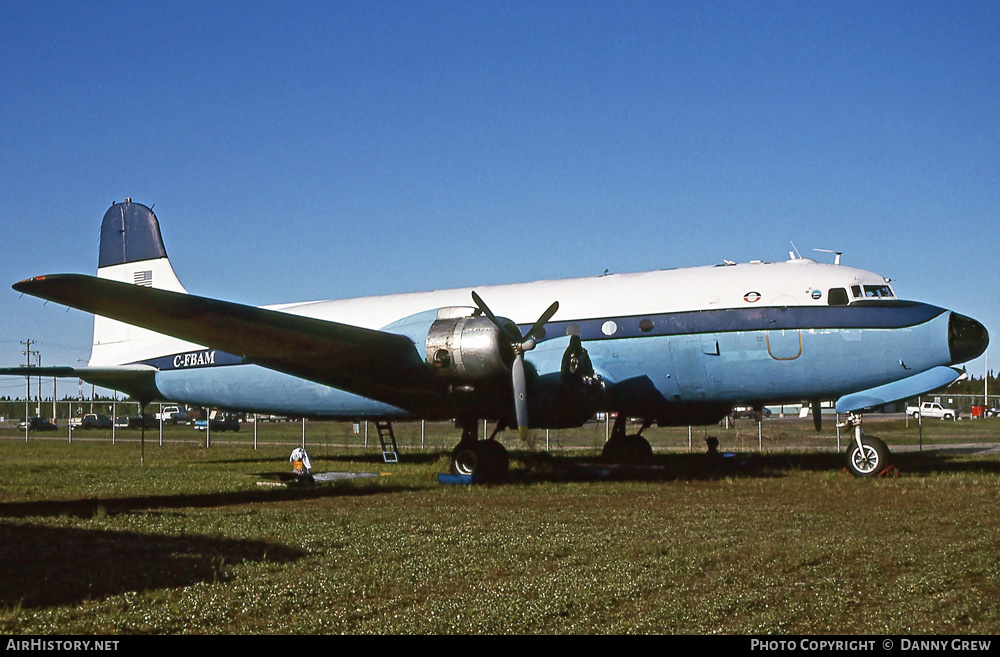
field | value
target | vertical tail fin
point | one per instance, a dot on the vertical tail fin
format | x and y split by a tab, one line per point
132	248
131	252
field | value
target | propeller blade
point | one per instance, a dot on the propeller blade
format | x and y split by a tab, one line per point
509	328
521	344
817	416
520	395
542	321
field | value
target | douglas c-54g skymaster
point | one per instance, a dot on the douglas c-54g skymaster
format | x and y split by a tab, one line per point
671	347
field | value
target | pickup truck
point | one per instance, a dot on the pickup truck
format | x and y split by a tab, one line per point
95	421
932	409
172	414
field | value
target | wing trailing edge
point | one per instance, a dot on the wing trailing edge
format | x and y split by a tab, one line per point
375	364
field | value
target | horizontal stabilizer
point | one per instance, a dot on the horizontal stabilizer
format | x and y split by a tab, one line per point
375	364
918	384
137	381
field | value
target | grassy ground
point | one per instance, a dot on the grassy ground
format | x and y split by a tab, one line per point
776	542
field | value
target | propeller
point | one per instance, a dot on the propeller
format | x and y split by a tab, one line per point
520	344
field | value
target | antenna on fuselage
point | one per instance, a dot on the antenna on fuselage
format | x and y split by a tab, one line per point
836	254
794	253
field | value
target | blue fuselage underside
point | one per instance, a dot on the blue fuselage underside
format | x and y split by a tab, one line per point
768	354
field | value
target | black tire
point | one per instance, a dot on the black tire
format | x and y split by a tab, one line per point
486	459
629	450
464	460
872	462
497	456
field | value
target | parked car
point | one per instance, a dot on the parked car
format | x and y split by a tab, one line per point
36	424
992	412
145	420
95	421
121	422
221	422
748	412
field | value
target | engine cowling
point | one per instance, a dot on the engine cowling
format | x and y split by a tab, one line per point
468	349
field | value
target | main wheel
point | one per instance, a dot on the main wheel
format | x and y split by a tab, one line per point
628	450
484	458
869	461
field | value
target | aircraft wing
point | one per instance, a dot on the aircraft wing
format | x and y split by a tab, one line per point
375	364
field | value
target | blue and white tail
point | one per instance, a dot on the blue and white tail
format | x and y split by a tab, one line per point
132	252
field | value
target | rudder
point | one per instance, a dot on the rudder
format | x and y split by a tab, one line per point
132	251
132	248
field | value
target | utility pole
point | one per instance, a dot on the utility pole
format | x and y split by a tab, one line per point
27	379
28	351
38	406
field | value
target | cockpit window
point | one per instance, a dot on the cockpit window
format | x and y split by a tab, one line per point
837	296
878	292
856	291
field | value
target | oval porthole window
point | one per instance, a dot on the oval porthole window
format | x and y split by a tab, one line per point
573	329
645	325
609	327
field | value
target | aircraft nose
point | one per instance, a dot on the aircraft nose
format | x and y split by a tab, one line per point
967	338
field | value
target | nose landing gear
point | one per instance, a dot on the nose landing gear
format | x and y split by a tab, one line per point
867	456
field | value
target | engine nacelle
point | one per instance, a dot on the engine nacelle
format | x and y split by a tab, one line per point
469	348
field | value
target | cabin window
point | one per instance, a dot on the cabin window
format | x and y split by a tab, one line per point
646	325
878	292
837	296
856	289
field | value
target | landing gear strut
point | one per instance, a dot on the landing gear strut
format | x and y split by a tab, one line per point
630	449
867	456
486	459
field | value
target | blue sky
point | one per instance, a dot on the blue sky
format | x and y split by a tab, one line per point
303	150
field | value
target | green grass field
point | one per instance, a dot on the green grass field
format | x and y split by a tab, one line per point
779	542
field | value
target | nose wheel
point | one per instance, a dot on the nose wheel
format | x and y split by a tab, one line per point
867	456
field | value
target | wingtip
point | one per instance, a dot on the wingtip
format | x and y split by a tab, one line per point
22	286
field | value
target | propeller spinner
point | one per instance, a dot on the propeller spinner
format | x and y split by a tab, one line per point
520	344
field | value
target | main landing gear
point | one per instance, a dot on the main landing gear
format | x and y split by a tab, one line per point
630	449
485	459
867	456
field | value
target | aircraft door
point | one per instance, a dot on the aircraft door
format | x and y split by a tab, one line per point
783	345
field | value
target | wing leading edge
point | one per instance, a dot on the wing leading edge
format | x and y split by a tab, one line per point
375	364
